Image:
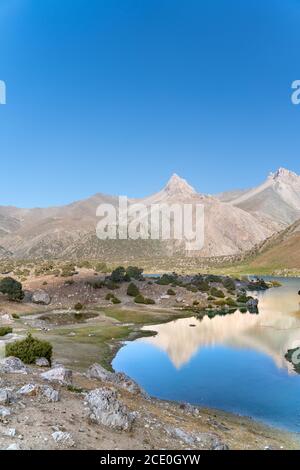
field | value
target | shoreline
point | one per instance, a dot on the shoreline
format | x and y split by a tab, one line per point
98	339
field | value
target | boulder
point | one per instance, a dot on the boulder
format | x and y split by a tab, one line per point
206	441
99	373
252	305
45	391
6	397
59	375
63	438
42	362
4	412
107	410
96	371
29	390
41	297
12	365
49	393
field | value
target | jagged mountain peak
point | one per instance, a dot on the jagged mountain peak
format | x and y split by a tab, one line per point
283	174
178	185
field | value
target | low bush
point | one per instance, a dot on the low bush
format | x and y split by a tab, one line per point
5	330
133	272
11	288
167	279
140	299
78	307
229	284
220	302
112	298
230	302
132	290
191	288
213	278
203	286
29	349
217	293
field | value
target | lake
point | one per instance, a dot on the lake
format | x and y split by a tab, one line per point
235	362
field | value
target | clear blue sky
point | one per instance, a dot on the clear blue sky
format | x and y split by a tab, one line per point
115	95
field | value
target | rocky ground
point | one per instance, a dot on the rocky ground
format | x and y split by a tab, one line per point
58	409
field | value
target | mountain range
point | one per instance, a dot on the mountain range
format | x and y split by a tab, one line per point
235	222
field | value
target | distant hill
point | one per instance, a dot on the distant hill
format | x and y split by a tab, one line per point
280	251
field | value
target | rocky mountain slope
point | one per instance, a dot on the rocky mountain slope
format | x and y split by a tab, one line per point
280	251
278	197
69	231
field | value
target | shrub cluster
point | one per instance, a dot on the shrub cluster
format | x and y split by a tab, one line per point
133	290
5	330
12	288
140	299
29	349
217	293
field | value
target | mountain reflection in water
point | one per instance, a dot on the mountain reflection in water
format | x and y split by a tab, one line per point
275	330
234	362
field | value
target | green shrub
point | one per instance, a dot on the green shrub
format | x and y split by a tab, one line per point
119	275
15	316
78	307
214	278
203	286
243	310
109	296
112	298
133	272
217	293
191	288
167	279
229	284
112	285
220	302
29	349
140	299
230	302
133	290
12	288
171	292
5	330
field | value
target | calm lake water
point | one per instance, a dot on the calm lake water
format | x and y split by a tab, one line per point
234	362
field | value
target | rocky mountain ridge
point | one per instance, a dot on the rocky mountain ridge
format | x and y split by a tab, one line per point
232	225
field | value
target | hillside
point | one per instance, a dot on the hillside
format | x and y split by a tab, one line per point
61	232
280	251
278	197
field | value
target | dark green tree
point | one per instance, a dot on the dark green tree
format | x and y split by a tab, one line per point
12	288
